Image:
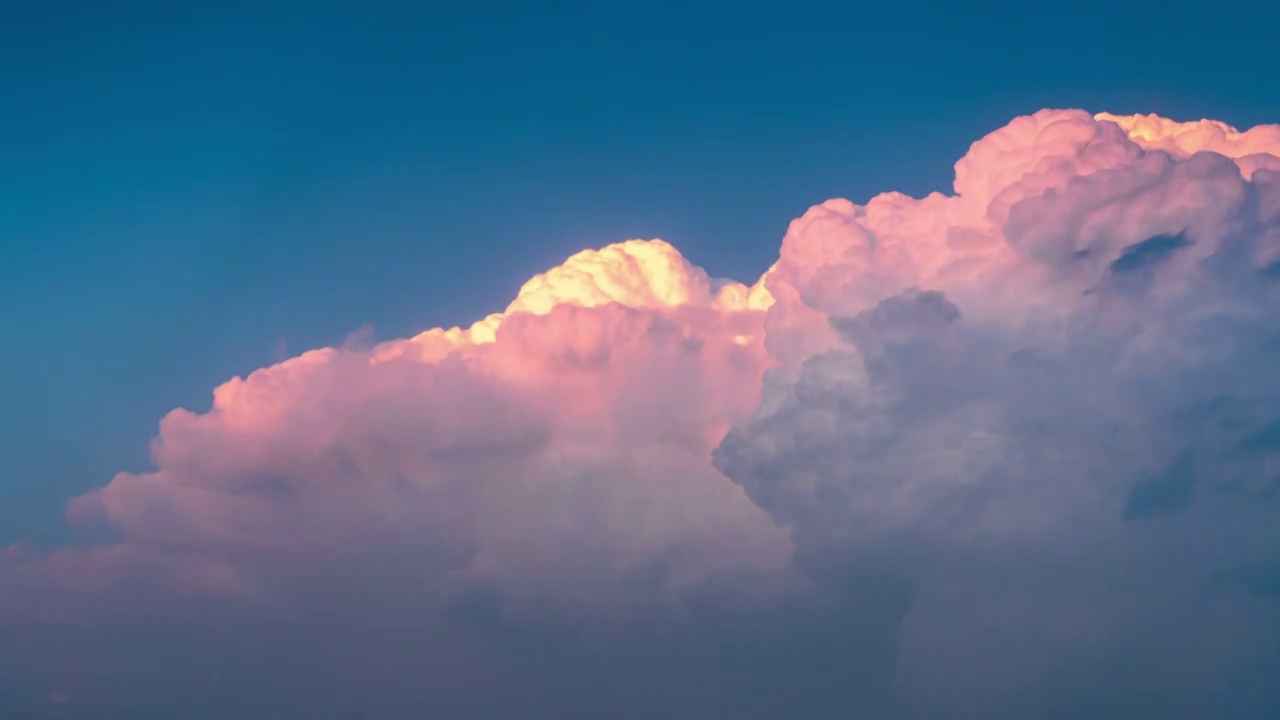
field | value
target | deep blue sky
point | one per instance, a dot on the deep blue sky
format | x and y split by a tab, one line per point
187	186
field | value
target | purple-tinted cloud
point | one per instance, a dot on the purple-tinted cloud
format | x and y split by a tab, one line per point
1006	452
1045	405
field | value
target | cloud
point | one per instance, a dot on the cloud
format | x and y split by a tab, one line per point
551	449
1252	149
1049	415
1005	452
550	463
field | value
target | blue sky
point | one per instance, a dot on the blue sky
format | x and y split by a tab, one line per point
188	186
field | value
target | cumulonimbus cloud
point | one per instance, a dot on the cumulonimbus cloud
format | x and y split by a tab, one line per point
1026	431
1045	404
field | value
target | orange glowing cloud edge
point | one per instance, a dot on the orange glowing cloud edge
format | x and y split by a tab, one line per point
654	274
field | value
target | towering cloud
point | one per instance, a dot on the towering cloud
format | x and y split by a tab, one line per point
1006	452
1046	405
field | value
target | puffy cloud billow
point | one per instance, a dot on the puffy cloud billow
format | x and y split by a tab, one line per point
1012	451
1046	406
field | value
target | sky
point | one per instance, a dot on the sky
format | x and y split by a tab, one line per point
907	440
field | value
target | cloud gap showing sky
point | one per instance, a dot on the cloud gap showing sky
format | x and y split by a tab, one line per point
1011	451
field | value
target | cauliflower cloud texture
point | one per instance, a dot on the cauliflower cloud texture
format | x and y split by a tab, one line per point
1011	451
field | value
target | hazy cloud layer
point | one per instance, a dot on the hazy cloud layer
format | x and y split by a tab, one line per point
1012	451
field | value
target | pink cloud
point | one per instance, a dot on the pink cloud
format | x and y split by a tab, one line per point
1030	402
1252	149
935	388
552	449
